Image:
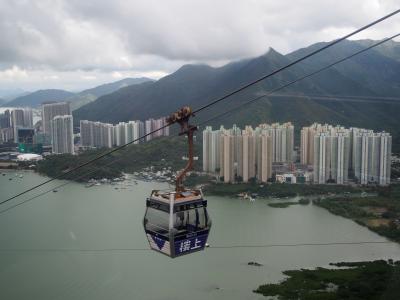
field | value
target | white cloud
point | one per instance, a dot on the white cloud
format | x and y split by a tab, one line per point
13	73
103	40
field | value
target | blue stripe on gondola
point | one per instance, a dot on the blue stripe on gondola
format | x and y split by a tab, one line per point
159	242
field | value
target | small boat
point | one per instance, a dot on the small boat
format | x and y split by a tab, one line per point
21	176
9	178
55	191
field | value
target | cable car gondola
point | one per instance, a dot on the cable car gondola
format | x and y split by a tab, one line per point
177	222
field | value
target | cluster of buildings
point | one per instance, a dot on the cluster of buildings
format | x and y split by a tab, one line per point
328	154
58	125
11	121
240	155
54	133
55	129
340	154
99	135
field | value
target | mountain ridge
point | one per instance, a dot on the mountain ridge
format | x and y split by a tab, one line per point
369	74
34	99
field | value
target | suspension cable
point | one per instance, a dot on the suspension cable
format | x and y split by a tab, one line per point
207	105
88	250
224	114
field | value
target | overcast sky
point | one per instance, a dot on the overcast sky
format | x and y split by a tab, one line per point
76	44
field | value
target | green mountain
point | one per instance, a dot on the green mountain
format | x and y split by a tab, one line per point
92	94
390	49
36	98
358	92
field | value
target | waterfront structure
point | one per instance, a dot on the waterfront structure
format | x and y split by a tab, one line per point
51	110
62	134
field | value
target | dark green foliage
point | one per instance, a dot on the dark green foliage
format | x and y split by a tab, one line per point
159	153
304	201
194	180
282	204
281	189
356	208
363	280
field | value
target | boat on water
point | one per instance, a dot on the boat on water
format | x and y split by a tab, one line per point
251	197
21	176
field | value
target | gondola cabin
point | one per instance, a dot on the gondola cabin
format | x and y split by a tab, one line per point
177	223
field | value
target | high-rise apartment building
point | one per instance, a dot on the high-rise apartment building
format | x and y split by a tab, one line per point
49	111
5	119
266	154
148	129
17	121
28	117
371	156
368	159
282	136
155	124
119	134
331	157
62	134
238	155
249	153
97	134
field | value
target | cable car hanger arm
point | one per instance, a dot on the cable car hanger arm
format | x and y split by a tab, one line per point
182	117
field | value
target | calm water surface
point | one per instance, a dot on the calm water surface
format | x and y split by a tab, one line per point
102	217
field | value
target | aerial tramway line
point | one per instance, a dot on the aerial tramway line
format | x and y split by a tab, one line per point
177	222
